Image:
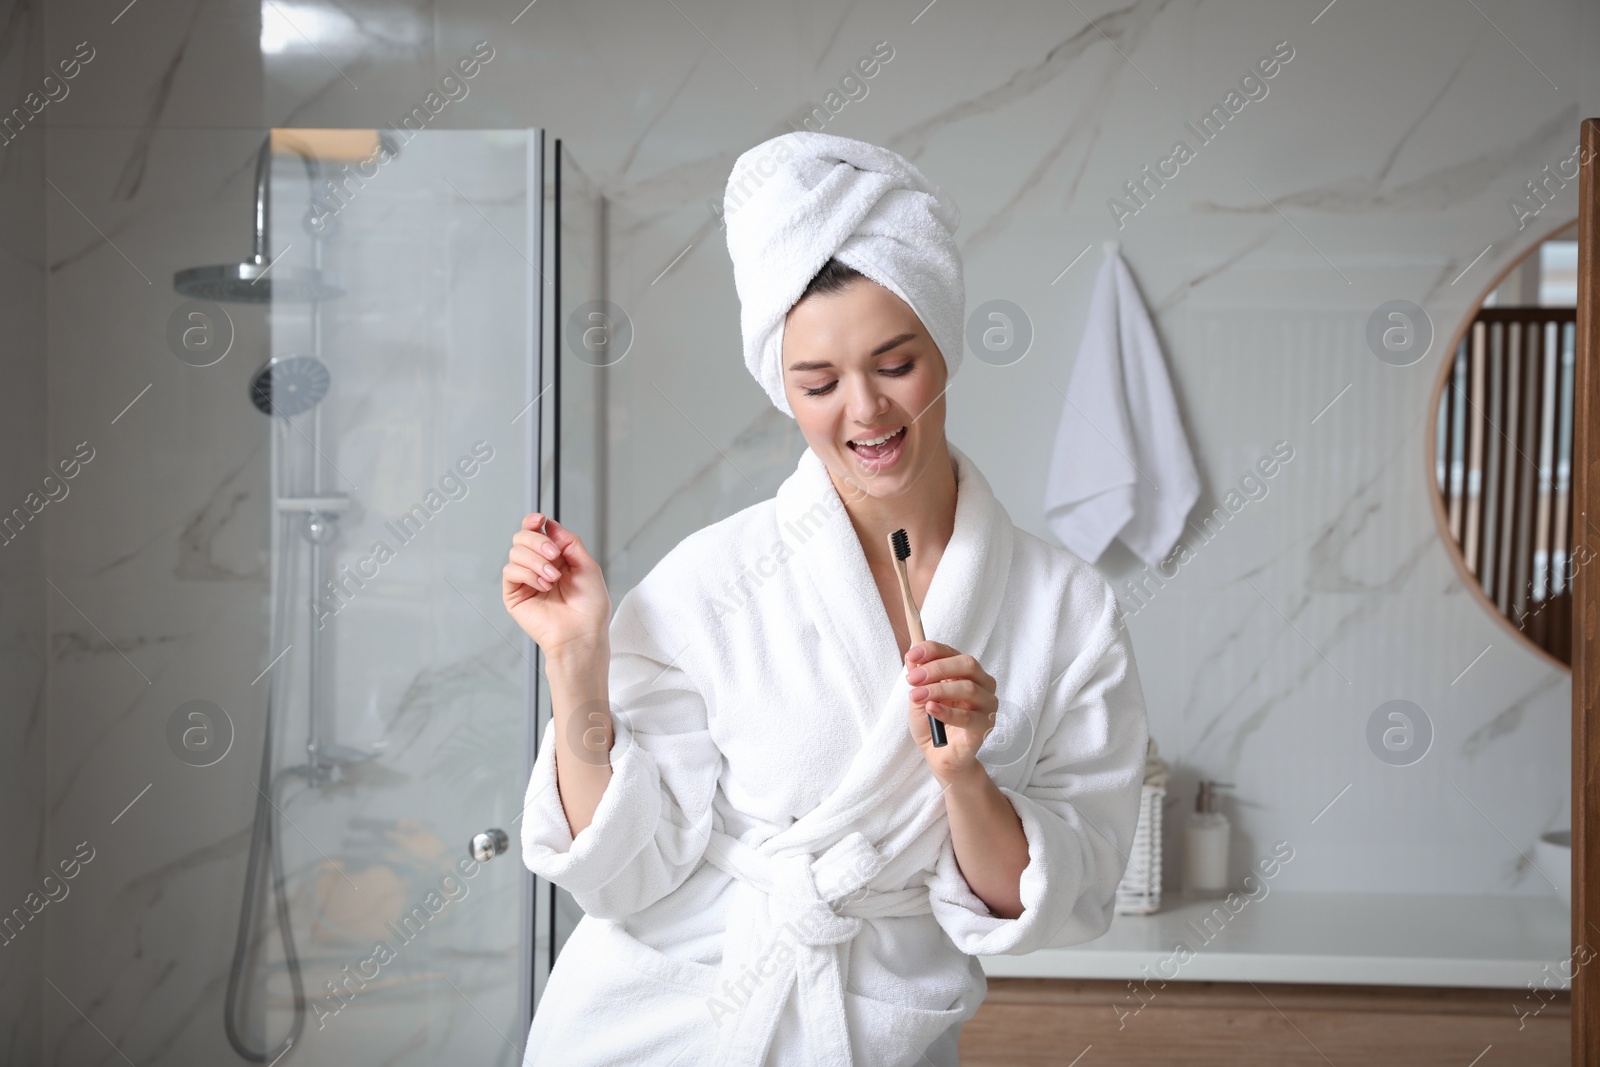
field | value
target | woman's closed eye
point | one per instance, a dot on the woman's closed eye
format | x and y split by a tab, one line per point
893	372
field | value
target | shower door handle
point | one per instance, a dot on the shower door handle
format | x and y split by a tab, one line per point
489	844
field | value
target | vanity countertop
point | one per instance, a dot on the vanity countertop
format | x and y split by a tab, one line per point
1355	938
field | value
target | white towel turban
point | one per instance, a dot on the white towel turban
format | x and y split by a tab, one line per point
801	198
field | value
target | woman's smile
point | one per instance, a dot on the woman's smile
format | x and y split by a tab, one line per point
877	452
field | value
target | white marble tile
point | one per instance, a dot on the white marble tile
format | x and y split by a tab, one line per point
156	67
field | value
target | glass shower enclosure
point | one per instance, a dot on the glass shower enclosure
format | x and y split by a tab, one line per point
418	407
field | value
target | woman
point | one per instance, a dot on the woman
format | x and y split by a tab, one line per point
740	789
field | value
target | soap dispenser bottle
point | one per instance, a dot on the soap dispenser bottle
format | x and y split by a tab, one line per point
1205	844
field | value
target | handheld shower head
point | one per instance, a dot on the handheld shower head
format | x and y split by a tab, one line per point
289	385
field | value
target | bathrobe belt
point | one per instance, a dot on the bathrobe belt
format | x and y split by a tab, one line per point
813	904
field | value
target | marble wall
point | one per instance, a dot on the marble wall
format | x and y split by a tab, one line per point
23	859
1378	167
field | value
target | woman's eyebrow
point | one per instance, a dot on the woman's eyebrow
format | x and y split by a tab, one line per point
822	364
891	342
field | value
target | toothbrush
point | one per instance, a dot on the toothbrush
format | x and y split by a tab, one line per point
900	543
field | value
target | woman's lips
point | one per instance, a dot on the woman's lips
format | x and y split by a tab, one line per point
877	458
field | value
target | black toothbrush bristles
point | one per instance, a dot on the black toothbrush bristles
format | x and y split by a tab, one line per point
900	541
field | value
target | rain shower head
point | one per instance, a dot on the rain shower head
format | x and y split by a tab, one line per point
249	282
289	385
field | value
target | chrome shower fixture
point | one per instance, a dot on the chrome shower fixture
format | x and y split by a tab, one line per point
289	385
250	282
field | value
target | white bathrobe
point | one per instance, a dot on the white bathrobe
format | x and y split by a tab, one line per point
769	878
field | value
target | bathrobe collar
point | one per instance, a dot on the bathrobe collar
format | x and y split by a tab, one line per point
962	602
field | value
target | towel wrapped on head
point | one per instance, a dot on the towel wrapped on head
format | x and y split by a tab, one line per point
799	199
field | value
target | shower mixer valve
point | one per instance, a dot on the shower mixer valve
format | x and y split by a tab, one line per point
320	527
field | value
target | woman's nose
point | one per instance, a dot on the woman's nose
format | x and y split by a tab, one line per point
864	401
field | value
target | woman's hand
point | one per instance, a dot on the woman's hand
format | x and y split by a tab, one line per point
954	689
554	588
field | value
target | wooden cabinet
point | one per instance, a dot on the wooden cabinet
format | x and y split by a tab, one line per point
1059	1022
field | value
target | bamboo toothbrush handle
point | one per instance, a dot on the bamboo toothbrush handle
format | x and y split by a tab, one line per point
914	624
913	617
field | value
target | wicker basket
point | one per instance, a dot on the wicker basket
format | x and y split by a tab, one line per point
1139	892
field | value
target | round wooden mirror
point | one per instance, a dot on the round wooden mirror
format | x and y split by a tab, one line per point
1500	454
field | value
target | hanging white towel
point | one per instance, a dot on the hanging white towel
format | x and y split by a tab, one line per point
1121	464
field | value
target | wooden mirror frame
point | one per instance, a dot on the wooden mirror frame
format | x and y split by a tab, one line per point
1586	610
1441	517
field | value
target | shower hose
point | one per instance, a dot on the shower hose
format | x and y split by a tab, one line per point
265	840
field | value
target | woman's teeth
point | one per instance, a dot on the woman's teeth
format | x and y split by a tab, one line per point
876	440
879	453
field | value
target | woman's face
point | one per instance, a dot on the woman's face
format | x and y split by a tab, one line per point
858	365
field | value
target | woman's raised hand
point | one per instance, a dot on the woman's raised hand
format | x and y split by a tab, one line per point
554	589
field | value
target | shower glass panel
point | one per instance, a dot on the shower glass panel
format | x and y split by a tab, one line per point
589	340
405	450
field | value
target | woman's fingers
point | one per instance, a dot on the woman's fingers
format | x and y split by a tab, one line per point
542	553
531	538
941	661
960	692
923	651
567	542
539	530
962	717
536	542
514	576
953	688
952	665
532	561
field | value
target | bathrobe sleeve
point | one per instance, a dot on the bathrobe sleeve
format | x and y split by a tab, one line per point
650	830
1078	807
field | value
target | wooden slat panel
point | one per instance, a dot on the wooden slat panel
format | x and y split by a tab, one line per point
1563	456
1494	493
1512	360
1528	442
1451	405
1472	482
1544	538
1502	410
